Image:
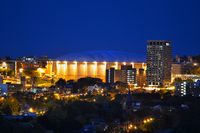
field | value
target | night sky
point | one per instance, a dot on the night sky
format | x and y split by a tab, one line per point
57	27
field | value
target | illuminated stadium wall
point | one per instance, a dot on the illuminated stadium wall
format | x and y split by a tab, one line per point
75	70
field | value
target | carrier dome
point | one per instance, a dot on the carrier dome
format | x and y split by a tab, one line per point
103	55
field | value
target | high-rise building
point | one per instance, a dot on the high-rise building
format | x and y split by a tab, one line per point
127	74
141	78
110	75
184	88
159	60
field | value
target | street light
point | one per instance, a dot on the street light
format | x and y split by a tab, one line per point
21	70
30	110
130	126
4	65
41	71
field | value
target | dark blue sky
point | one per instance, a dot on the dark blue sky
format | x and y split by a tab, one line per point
57	27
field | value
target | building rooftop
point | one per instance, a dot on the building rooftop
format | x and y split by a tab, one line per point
104	55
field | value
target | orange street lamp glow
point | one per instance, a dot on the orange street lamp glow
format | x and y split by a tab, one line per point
130	126
31	110
21	70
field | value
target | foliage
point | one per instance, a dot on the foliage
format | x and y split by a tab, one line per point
196	71
121	85
88	81
10	106
56	114
70	81
61	83
7	72
30	72
178	80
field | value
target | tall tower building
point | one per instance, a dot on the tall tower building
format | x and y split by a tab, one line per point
110	75
159	60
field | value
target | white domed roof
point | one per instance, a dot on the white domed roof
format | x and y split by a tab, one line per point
103	55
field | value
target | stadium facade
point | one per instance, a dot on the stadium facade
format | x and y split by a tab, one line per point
92	64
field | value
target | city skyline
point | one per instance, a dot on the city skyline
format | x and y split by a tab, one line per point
57	28
89	66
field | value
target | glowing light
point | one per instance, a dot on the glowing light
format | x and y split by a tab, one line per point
95	68
105	65
45	98
58	67
116	65
85	68
40	70
2	98
130	126
31	110
75	69
133	64
57	96
195	64
21	70
124	63
143	65
4	64
167	44
65	68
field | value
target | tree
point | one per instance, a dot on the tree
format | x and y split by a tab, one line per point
7	72
178	80
30	72
61	83
88	81
121	86
56	114
10	106
196	71
33	74
70	81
